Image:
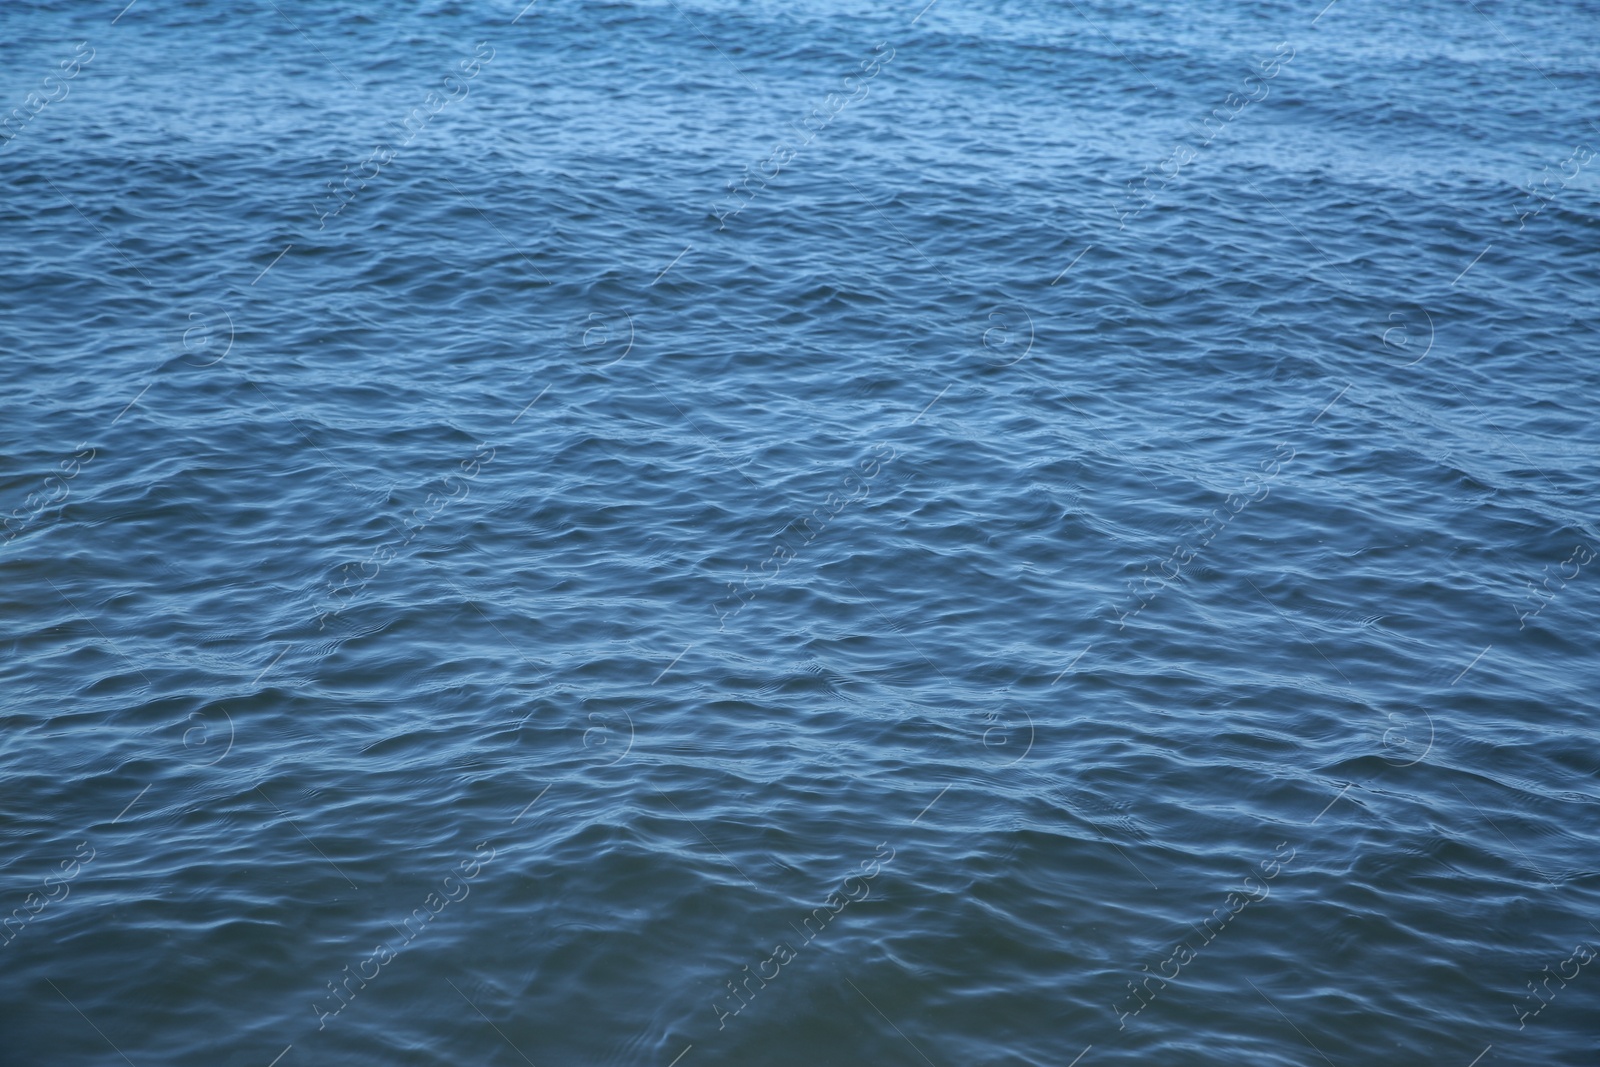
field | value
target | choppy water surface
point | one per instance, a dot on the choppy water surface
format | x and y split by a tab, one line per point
695	533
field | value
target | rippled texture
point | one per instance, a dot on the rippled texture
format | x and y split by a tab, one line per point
747	533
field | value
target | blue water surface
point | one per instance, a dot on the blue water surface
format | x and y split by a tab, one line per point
683	532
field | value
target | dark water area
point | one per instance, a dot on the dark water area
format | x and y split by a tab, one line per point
680	533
